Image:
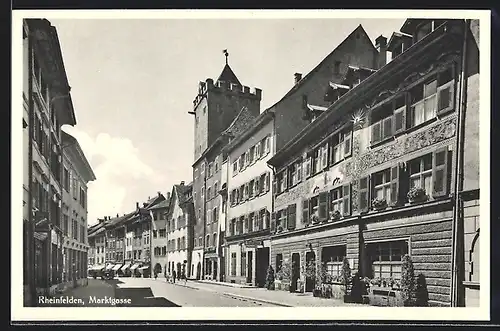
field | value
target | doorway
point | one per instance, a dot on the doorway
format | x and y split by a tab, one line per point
214	276
249	268
262	263
311	266
295	271
198	270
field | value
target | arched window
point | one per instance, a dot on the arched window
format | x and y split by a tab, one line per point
207	243
215	240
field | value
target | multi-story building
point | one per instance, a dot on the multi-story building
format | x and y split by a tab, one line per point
97	243
76	173
215	108
247	243
378	167
159	242
179	230
249	177
47	106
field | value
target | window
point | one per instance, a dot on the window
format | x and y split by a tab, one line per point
281	182
307	166
163	233
432	97
235	168
215	218
239	225
314	206
386	258
209	193
243	264
336	200
333	257
66	179
382	185
427	27
232	225
251	188
75	187
291	216
233	264
266	146
241	194
214	240
203	193
207	242
210	170
241	162
251	222
83	197
340	145
257	151
251	155
200	240
281	217
388	119
279	262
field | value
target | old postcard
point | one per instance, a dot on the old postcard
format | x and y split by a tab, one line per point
239	165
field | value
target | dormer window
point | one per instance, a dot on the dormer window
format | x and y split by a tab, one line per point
425	28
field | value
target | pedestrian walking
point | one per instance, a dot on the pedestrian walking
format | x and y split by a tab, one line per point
184	277
156	275
174	275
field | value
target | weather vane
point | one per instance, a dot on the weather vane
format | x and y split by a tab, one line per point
226	54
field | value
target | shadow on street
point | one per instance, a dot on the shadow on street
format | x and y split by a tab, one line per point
140	296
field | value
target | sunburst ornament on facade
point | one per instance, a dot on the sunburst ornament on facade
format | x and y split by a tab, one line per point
358	119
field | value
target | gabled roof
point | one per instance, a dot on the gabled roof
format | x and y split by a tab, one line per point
395	37
359	29
163	204
227	75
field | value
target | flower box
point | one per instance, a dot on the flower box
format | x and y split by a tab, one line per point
386	296
417	194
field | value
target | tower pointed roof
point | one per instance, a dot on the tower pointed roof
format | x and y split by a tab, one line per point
228	75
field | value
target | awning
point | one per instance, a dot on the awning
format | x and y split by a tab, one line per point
117	266
109	266
135	266
125	267
144	268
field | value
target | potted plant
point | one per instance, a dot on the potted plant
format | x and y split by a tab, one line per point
279	229
284	276
314	218
417	194
270	278
379	204
335	215
346	278
408	284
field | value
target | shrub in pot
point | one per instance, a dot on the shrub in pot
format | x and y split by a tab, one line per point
422	295
270	278
346	278
408	285
379	204
335	215
357	290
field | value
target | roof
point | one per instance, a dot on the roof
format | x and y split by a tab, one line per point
315	69
163	204
71	143
247	130
395	37
227	75
360	91
181	192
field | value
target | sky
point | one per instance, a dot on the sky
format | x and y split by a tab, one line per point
133	83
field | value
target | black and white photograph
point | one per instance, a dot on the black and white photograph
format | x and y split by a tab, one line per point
320	164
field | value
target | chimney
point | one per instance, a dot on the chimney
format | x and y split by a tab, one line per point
298	77
137	205
182	183
117	215
381	46
159	194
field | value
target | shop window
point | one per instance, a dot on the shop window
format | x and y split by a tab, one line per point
386	258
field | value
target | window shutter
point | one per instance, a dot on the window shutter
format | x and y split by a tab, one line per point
275	186
256	189
291	216
268	182
395	185
446	98
285	178
305	211
307	166
273	222
324	156
440	172
299	171
346	199
399	121
387	132
323	206
363	194
376	132
348	144
245	192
